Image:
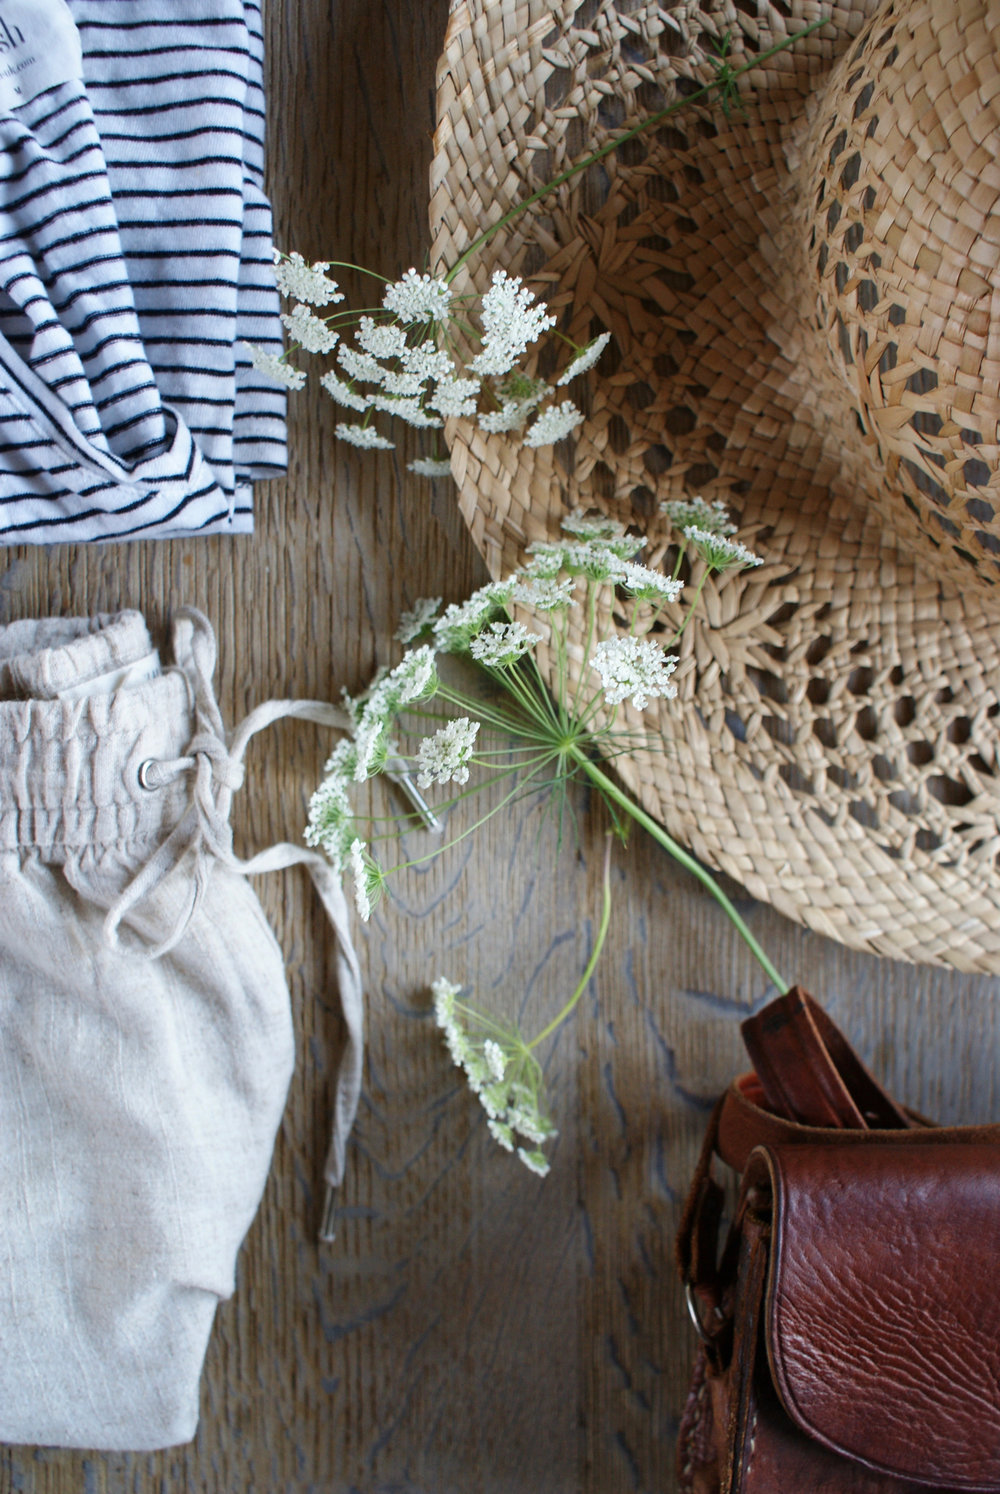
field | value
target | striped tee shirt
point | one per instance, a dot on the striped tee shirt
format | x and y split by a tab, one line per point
135	253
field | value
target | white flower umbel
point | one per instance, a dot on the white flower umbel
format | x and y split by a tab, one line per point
647	585
360	365
596	526
419	617
274	367
369	879
309	330
510	417
418	298
502	644
428	361
410	410
585	359
511	323
500	1070
430	466
365	436
343	393
381	339
455	396
543	595
461	621
720	553
301	282
535	1161
634	667
414	678
553	424
396	382
444	757
713	517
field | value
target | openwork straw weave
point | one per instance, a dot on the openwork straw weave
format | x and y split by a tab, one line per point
803	301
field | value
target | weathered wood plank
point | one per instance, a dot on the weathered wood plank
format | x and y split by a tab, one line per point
473	1328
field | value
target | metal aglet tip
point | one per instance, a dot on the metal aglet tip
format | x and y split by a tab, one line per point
328	1228
399	773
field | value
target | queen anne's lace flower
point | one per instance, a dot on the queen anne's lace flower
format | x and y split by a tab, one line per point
455	396
594	526
502	644
365	436
444	757
303	282
419	617
396	382
553	424
712	517
360	365
428	361
343	393
495	1060
585	359
308	330
647	585
511	322
418	298
634	667
430	466
369	879
460	621
535	1161
510	417
274	367
381	339
542	594
720	553
410	410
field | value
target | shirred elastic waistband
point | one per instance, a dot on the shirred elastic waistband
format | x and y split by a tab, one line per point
69	768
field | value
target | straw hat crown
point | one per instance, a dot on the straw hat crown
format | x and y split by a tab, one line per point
803	302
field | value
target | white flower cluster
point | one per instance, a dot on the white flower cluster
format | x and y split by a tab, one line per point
301	282
720	553
634	667
399	353
461	621
273	366
713	517
511	323
585	359
444	756
502	644
501	1074
309	330
419	617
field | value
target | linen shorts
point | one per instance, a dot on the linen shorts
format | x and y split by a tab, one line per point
139	1098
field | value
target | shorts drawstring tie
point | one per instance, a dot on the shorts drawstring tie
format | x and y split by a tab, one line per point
204	831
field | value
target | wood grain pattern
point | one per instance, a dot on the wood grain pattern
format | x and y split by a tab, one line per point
473	1328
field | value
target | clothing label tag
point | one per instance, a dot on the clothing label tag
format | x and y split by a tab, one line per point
116	679
39	48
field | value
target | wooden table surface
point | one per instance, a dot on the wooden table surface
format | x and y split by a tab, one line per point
474	1329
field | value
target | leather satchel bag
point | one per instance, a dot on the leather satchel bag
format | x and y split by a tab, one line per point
850	1326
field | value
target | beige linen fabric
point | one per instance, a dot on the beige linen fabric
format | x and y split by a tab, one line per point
139	1097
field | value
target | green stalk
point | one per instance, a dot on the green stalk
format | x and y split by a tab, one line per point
609	788
595	954
612	145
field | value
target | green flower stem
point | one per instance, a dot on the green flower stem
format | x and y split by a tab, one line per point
611	791
612	145
694	602
595	954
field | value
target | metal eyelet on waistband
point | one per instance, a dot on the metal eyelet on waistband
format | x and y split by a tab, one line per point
145	768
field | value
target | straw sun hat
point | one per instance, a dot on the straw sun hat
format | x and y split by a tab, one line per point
804	298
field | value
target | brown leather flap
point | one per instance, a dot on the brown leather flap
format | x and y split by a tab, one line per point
883	1303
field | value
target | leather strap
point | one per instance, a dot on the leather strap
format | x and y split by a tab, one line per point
810	1073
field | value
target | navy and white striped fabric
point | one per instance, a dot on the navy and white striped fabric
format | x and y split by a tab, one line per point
135	253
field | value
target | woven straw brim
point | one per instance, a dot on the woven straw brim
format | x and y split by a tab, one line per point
833	745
